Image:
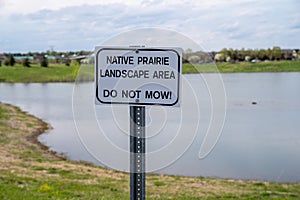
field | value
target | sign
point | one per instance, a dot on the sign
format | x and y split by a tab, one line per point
138	75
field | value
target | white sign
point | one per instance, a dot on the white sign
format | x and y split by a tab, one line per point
138	76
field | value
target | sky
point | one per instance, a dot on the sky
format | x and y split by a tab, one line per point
71	25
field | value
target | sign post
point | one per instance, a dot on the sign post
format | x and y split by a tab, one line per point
137	150
137	76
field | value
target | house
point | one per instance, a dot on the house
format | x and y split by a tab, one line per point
295	53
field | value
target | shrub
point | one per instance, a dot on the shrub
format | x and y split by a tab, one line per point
0	63
44	62
67	62
75	63
25	62
6	62
10	61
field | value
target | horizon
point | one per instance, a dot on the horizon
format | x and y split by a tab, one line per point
91	51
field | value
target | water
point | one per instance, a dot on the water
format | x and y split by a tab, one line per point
257	142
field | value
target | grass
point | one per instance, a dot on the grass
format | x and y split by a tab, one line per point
274	66
62	73
38	74
29	171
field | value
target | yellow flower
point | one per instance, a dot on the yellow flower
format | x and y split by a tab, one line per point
44	188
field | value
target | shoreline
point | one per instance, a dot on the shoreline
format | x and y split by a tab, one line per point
30	166
33	138
60	73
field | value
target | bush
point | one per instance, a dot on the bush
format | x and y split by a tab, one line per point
44	62
75	63
6	62
0	63
67	62
25	62
10	61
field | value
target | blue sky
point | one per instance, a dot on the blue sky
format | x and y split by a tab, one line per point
35	25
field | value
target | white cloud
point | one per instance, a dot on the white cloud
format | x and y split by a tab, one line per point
30	6
8	7
214	24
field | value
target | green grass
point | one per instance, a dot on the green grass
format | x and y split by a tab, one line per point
37	74
62	73
4	113
28	171
275	66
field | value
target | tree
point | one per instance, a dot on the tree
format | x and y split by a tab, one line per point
0	63
287	54
241	54
276	51
6	62
224	51
67	62
9	61
12	60
269	54
188	51
248	53
25	62
44	62
262	55
254	54
234	54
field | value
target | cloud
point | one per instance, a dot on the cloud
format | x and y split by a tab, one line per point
31	6
213	24
296	26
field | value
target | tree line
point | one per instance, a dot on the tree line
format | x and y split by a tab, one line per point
42	58
225	55
238	55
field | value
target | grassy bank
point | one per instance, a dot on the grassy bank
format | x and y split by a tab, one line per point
38	74
29	171
274	66
62	73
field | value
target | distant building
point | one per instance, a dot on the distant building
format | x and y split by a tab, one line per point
20	58
295	53
87	59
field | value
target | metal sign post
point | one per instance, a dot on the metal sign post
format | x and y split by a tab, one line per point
137	150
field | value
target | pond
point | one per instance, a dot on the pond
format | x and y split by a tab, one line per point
260	138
